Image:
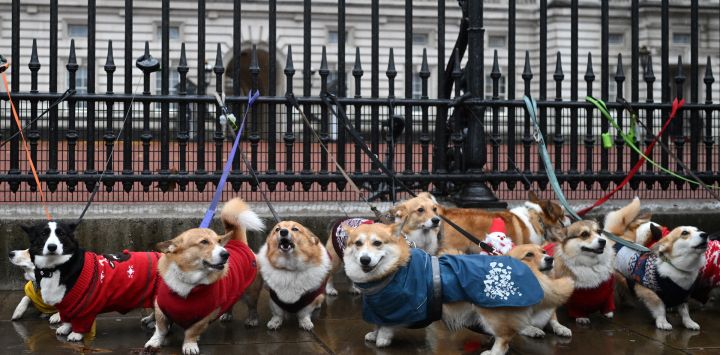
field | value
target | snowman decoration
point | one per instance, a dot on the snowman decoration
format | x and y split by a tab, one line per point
497	237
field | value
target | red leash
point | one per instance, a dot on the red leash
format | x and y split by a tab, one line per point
25	146
675	108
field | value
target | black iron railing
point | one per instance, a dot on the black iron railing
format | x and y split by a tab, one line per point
462	141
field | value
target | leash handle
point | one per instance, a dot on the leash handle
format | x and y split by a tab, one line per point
25	145
228	165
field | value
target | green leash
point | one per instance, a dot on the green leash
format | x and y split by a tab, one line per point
531	106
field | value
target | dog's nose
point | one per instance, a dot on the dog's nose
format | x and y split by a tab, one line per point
365	260
11	254
602	242
704	235
284	232
224	255
52	247
435	220
549	260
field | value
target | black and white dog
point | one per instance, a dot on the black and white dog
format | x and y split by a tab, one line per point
82	284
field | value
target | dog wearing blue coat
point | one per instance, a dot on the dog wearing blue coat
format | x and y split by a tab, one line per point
404	287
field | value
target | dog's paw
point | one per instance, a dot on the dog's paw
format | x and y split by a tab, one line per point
354	290
306	323
371	336
190	349
252	321
582	321
382	342
331	291
609	315
64	329
17	314
533	332
691	324
55	318
663	324
154	343
561	330
226	317
75	337
274	323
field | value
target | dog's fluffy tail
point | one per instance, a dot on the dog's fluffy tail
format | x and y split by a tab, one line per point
557	291
616	222
238	218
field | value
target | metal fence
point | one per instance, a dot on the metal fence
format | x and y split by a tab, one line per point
476	145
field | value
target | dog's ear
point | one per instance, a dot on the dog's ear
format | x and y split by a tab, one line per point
225	238
167	246
395	229
398	212
533	197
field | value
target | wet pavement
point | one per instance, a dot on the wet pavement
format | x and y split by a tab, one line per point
339	329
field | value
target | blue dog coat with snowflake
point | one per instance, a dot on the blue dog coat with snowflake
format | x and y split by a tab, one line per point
487	281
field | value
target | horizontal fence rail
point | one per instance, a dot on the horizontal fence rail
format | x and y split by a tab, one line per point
444	117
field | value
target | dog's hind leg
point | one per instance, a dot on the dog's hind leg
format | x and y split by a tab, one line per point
558	328
161	329
655	305
251	297
21	308
503	324
684	312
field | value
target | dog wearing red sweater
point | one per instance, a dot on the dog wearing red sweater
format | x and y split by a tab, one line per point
587	257
203	274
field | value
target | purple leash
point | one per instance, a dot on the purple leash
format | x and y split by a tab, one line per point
228	164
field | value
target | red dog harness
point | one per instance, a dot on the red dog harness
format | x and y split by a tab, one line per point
110	283
219	296
585	301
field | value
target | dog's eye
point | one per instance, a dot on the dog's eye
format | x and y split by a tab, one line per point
377	243
585	234
46	231
205	242
684	233
434	209
544	251
277	229
59	233
421	210
529	255
295	229
358	243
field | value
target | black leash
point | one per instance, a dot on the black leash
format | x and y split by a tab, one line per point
62	98
359	141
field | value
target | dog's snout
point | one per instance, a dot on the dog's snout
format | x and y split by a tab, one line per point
224	255
549	260
435	220
602	242
704	235
284	232
365	260
52	247
11	254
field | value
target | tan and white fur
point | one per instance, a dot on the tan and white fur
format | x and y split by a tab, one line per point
422	228
586	257
181	267
374	252
556	291
21	258
536	221
293	262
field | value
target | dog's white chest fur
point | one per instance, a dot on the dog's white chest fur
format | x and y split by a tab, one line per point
51	289
589	273
290	285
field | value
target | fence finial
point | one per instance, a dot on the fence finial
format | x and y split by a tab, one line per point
34	64
357	68
391	72
708	79
649	75
183	66
110	61
620	72
218	69
527	71
589	74
72	59
558	75
289	67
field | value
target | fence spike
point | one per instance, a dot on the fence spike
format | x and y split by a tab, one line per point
620	72
558	75
34	64
183	66
708	79
357	68
424	69
323	63
254	68
495	72
527	71
391	72
72	59
589	74
110	62
289	67
680	75
218	68
649	75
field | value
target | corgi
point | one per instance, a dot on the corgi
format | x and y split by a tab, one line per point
586	257
82	284
202	275
407	287
665	276
22	259
536	221
557	291
422	227
294	266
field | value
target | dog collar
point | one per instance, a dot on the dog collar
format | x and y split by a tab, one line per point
373	289
664	259
407	239
46	273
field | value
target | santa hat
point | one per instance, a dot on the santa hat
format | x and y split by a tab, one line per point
497	236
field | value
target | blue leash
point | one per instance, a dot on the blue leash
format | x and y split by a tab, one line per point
228	164
531	106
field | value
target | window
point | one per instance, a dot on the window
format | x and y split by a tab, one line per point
616	38
334	36
489	87
421	39
417	86
77	30
496	41
174	32
681	38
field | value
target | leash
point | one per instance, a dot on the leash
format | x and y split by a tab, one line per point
109	158
228	164
359	141
531	106
43	200
62	98
638	165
